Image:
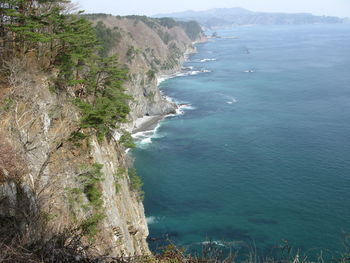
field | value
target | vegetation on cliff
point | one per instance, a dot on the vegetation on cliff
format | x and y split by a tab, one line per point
192	28
64	181
62	45
68	44
75	55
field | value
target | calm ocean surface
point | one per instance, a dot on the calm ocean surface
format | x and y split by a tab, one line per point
262	155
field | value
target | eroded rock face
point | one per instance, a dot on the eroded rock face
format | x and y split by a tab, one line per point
53	183
153	58
39	126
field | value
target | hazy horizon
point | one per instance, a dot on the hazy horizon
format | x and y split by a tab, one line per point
339	8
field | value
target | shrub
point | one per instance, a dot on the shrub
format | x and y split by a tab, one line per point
192	29
108	103
131	53
91	179
127	141
90	226
76	137
11	166
107	38
151	74
168	22
136	183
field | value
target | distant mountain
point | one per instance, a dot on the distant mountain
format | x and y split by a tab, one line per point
220	17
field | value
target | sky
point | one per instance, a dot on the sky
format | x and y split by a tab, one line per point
339	8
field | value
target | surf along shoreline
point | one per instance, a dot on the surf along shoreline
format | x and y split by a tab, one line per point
147	126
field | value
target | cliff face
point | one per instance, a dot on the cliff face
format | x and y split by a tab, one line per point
44	170
150	48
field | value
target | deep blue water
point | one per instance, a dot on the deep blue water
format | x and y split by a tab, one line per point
263	156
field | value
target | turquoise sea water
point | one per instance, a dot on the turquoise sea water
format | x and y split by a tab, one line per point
263	155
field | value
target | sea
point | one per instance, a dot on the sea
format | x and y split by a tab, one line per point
259	156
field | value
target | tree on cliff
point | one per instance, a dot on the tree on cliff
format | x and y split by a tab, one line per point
67	44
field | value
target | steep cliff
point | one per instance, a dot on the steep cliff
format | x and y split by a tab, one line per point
150	48
50	179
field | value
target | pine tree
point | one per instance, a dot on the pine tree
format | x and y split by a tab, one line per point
109	103
68	43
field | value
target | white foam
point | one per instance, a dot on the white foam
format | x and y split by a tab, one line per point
195	72
181	109
204	60
215	242
170	99
163	78
229	99
152	220
187	107
146	140
224	243
187	72
188	68
142	134
232	100
208	59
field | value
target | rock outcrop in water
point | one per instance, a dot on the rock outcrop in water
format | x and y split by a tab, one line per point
45	171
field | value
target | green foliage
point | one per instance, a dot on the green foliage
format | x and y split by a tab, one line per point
136	183
74	195
165	36
90	226
117	187
22	27
151	74
7	104
131	53
107	38
168	22
75	198
78	44
96	16
150	22
121	172
192	29
127	141
69	43
76	137
91	179
109	103
118	176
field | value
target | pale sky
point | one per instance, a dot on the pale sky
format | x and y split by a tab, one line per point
339	8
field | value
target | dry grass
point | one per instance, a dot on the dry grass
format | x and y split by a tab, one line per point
11	165
68	247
